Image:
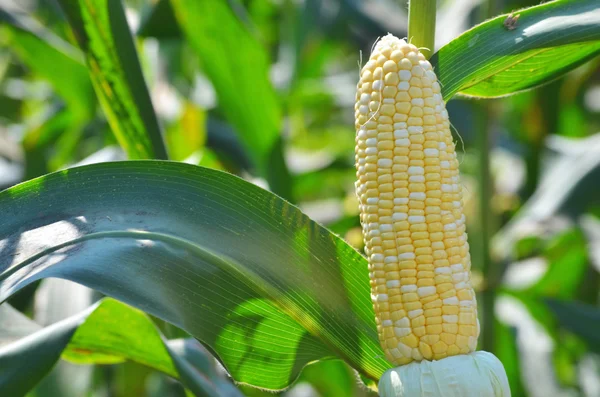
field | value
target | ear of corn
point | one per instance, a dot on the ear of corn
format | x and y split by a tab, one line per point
410	201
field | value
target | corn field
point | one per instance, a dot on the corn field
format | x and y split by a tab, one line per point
299	198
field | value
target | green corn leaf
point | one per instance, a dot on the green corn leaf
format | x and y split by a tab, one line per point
498	57
264	287
104	37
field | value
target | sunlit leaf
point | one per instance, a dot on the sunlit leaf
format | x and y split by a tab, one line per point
498	57
104	37
266	288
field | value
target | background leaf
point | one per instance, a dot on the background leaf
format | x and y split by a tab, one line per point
104	37
237	66
107	332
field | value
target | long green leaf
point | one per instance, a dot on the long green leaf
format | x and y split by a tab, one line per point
580	318
108	332
104	37
39	48
494	59
266	288
237	66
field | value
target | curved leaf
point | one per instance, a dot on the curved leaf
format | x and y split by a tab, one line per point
104	37
108	332
264	287
495	59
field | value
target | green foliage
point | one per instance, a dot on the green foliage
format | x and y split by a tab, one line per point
262	93
496	58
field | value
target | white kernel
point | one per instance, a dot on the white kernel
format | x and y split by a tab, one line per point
365	99
456	204
392	283
372	200
459	276
415	129
416	170
371	150
402	133
443	270
391	259
382	298
404	75
453	300
416	178
403	86
377	258
400	332
363	109
386	228
403	322
373	233
450	226
420	196
399	216
418	102
429	152
430	74
416	354
450	318
408	288
406	255
400	125
417	313
404	349
445	164
371	142
395	353
401	201
426	291
457	268
389	100
442	145
404	142
362	134
384	163
467	303
461	285
378	85
446	188
387	323
416	219
373	225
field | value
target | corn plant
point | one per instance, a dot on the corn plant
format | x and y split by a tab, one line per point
212	257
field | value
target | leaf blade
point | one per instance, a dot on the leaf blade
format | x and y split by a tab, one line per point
318	297
489	60
104	37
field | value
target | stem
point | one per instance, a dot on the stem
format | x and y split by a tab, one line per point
421	25
486	217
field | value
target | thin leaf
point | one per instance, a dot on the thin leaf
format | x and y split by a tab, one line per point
568	261
38	48
266	288
496	58
104	37
108	332
237	66
579	318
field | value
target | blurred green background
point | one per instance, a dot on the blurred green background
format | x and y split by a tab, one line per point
536	238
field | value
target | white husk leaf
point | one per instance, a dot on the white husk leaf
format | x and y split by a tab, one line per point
478	374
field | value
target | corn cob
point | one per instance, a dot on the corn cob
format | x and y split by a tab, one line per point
410	200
